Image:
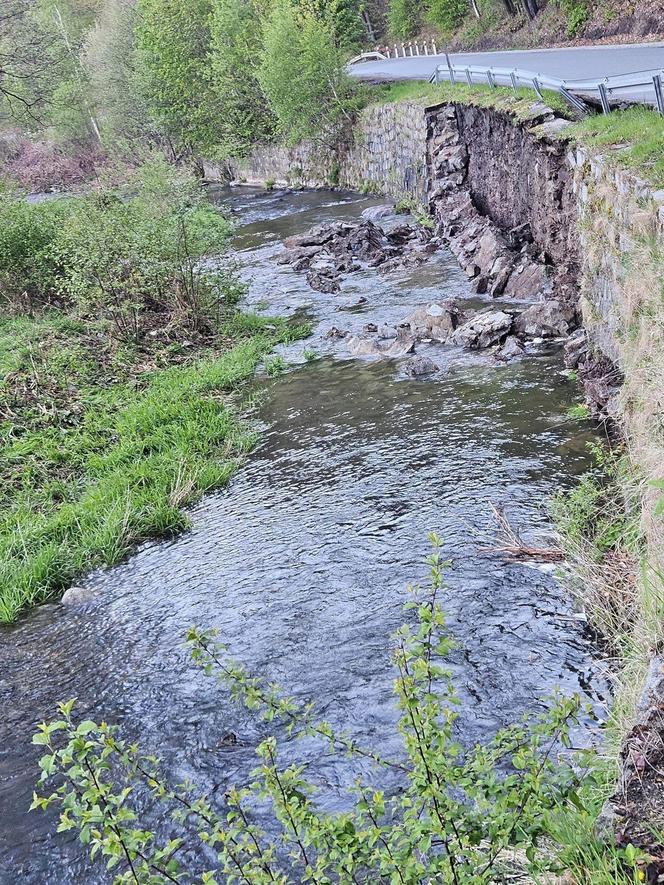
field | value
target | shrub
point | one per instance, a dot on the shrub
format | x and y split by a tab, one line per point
132	256
447	14
134	260
403	18
577	13
302	73
461	815
29	269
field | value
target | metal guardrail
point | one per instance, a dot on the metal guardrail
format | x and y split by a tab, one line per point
639	88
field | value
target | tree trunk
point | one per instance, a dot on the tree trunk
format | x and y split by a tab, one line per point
531	8
509	6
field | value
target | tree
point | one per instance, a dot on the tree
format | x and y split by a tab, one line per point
109	58
447	14
302	73
236	41
174	69
25	73
403	18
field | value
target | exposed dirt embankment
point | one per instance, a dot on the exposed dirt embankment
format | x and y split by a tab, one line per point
517	176
588	21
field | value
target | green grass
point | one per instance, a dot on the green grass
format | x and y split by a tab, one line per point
518	104
633	138
102	446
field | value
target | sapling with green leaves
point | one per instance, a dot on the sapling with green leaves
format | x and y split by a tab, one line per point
458	817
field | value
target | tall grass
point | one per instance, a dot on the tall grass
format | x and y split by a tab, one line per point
117	458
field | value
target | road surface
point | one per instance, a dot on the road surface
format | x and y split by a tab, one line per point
576	63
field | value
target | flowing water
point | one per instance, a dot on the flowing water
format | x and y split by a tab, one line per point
302	562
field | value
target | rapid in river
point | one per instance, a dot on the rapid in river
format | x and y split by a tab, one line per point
303	561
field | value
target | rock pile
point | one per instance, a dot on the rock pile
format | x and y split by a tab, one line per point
329	250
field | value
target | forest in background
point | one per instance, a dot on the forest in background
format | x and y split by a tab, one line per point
86	82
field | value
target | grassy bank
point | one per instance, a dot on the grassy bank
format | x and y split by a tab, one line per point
120	351
102	446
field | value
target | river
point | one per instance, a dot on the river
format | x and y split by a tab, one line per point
303	561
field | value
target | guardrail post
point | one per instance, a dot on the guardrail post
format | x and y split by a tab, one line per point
604	98
537	89
437	73
417	49
426	48
659	93
433	43
515	86
450	68
490	78
468	77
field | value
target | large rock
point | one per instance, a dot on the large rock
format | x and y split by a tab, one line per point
576	349
419	366
528	281
483	330
547	319
435	320
402	345
376	213
512	349
324	280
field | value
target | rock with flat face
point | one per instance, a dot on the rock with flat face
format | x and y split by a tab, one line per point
528	281
375	213
362	346
512	349
483	330
436	320
547	319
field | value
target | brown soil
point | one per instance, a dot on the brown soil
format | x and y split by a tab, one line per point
610	22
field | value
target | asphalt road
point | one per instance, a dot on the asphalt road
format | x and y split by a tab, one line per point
577	63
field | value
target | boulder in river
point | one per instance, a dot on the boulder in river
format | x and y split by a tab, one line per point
436	320
546	319
484	329
375	213
419	366
402	345
324	280
512	349
77	596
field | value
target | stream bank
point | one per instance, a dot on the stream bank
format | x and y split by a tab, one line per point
532	212
303	561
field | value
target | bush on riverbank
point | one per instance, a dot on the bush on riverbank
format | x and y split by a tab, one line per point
462	815
132	256
116	370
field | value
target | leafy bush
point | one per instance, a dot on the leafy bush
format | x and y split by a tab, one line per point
403	18
130	256
132	259
29	269
577	13
460	816
302	73
447	14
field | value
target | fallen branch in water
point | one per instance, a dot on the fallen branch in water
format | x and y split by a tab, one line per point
514	547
